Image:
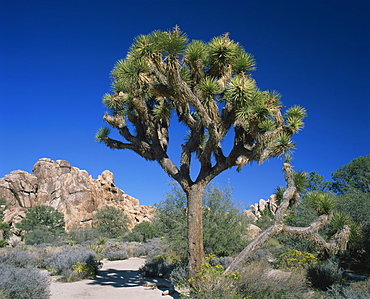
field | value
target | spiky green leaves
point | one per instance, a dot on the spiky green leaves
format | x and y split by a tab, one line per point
162	111
173	43
209	87
195	51
102	134
112	103
268	124
167	43
129	75
323	203
222	50
240	90
144	46
294	118
243	63
284	143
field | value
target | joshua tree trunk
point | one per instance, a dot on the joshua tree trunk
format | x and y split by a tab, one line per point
325	249
195	232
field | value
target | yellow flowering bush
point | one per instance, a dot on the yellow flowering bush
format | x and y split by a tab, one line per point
212	282
295	259
84	269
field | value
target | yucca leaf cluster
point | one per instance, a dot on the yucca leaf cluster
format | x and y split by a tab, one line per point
209	87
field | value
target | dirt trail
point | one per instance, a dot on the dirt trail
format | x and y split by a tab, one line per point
115	280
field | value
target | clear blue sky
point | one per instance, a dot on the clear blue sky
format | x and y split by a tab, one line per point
56	56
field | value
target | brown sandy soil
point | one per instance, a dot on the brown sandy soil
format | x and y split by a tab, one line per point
116	279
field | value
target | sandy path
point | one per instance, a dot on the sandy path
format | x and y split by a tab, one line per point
116	279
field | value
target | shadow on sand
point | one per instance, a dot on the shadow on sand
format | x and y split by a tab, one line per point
129	278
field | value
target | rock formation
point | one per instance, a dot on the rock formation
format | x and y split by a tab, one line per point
69	190
257	209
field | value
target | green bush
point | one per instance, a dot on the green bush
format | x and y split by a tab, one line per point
23	283
44	218
39	236
61	262
111	222
259	280
81	235
324	274
19	258
211	282
223	223
159	266
116	255
295	259
144	231
351	292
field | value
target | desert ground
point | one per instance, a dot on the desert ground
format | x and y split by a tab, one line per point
116	279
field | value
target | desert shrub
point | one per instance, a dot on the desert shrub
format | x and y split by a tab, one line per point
324	274
158	266
224	261
341	292
211	282
179	274
81	235
295	259
42	217
3	243
19	258
79	271
40	236
259	280
62	261
223	223
23	283
151	248
116	255
145	231
4	229
111	221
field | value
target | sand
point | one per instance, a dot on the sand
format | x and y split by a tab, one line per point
116	279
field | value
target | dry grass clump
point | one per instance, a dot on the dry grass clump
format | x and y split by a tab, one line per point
259	280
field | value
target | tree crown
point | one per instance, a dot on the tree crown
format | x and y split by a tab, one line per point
210	88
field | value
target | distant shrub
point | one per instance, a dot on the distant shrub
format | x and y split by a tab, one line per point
179	273
82	235
23	283
40	236
211	282
224	261
295	259
42	217
341	292
62	261
144	231
325	274
3	243
152	247
259	280
79	271
111	221
19	258
158	266
116	255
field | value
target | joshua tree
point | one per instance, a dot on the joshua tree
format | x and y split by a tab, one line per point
210	89
324	208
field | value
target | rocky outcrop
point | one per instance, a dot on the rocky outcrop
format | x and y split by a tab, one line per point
257	209
69	190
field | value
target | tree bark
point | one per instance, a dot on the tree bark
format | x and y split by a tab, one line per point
195	225
325	249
